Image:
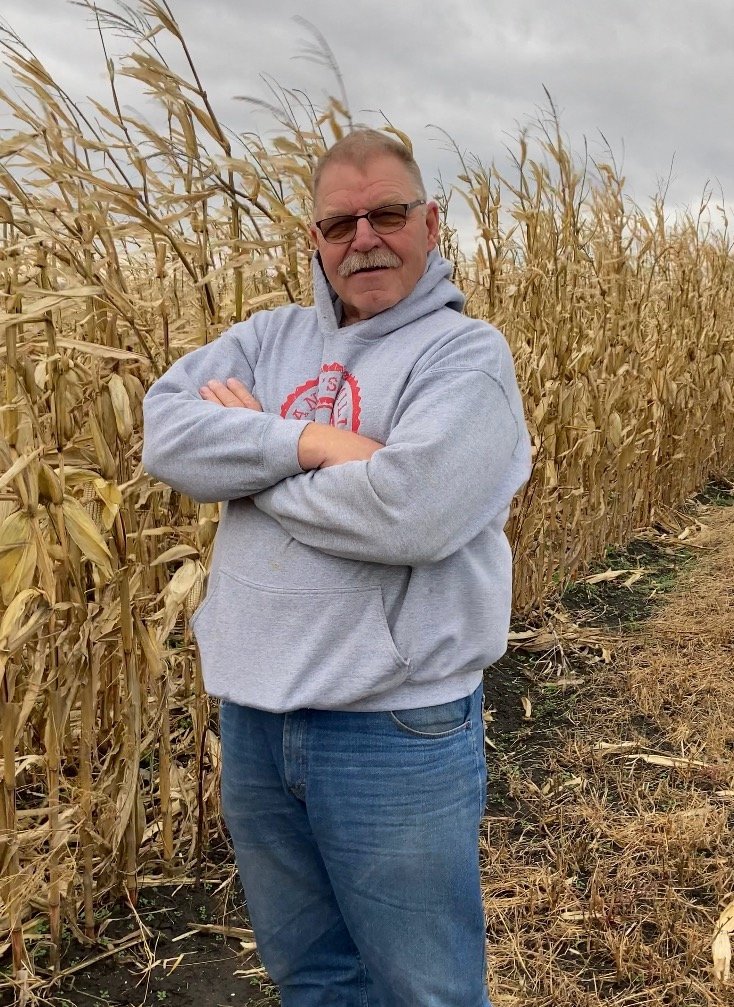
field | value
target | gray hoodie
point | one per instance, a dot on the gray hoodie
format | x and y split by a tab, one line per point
371	585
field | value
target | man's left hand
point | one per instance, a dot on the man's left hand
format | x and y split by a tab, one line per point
230	393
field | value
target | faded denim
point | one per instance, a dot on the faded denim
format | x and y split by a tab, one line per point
356	836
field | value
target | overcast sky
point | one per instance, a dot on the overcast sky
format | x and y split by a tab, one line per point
655	77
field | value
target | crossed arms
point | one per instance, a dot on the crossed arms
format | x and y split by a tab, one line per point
417	499
448	468
319	446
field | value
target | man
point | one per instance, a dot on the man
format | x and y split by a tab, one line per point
367	449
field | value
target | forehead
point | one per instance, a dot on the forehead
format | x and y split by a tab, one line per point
349	188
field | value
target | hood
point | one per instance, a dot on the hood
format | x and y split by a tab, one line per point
433	291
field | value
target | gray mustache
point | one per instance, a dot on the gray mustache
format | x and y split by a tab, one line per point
368	260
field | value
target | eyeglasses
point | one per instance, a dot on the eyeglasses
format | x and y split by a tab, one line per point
382	220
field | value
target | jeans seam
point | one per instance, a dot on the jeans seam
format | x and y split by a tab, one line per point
477	767
363	996
480	788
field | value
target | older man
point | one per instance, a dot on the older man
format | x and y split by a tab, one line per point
367	449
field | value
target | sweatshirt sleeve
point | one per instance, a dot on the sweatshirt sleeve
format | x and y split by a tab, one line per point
456	456
207	451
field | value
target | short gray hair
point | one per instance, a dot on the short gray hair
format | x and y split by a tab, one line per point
359	147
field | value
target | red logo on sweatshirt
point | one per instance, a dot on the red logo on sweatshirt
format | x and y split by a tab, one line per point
333	397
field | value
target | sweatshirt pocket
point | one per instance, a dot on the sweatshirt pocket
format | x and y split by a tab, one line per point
283	649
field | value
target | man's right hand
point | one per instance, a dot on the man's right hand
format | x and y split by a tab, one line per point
320	446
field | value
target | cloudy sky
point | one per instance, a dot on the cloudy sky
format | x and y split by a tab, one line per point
655	77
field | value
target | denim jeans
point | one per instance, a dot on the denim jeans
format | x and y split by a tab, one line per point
356	836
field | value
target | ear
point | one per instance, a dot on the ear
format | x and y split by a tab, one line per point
314	232
432	225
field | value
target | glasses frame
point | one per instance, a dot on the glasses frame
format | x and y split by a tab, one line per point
356	217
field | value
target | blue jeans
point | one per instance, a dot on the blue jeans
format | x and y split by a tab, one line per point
356	836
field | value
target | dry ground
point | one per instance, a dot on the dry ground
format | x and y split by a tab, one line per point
608	858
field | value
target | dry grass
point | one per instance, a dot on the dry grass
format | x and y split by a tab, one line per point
680	675
607	887
125	245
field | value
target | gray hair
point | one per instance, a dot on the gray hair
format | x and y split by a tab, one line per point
359	147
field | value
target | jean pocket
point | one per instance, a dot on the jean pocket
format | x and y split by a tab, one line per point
436	721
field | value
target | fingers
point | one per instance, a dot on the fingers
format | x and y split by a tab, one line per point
244	394
232	393
210	394
217	392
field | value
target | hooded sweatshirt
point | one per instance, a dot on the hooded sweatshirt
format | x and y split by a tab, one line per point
371	585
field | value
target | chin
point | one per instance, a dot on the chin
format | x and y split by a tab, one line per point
361	311
374	306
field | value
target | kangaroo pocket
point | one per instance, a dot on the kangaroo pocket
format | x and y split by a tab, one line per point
283	649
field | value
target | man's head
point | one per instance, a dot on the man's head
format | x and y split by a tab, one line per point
385	257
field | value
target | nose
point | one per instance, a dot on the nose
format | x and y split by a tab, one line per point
365	238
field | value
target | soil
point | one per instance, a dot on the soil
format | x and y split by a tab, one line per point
523	682
175	963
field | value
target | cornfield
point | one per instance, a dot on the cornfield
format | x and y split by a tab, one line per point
124	246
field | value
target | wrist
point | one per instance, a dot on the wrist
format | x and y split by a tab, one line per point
311	452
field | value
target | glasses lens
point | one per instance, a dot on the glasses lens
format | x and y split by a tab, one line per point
383	219
387	218
338	228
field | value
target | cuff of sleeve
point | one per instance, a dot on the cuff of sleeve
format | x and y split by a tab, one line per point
280	447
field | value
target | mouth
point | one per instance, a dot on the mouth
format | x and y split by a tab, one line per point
369	270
